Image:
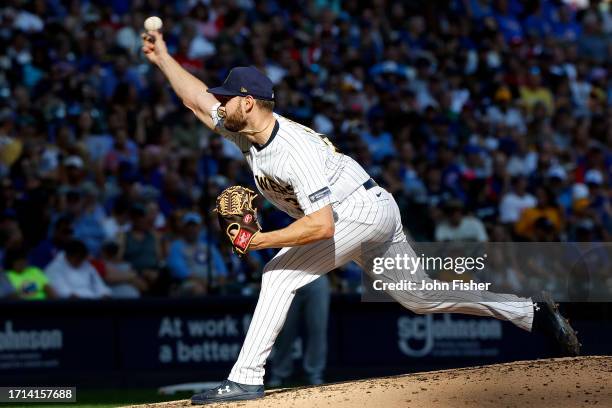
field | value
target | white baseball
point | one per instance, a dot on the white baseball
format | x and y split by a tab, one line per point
153	23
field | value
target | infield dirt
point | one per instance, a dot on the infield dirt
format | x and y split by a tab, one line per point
563	382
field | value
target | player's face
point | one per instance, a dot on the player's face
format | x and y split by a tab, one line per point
231	110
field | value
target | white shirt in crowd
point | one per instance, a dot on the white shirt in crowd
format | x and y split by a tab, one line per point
512	205
83	281
470	229
522	165
510	117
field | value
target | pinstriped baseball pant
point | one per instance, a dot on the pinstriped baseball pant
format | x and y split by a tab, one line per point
365	216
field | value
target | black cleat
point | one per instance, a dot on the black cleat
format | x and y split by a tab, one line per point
548	320
228	391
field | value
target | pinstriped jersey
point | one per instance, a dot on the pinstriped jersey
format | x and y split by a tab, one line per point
298	170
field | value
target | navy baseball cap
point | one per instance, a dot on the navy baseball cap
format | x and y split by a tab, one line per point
243	81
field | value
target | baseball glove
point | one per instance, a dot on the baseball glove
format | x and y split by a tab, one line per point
235	211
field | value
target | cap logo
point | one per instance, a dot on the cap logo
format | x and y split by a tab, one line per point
243	89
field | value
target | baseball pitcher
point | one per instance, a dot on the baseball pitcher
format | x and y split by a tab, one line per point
337	208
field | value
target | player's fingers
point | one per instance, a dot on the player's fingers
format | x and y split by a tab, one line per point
147	38
148	50
155	34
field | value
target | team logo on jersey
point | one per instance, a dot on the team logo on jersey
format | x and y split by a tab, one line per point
286	191
243	89
319	194
270	185
247	218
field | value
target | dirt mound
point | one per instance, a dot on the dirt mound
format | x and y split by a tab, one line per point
564	382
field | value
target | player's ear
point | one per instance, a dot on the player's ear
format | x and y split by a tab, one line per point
249	103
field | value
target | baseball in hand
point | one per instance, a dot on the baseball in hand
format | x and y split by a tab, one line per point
153	23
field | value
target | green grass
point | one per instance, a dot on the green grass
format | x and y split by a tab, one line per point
87	398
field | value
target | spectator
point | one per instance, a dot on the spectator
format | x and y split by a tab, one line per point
600	200
73	276
11	236
195	263
173	196
378	140
546	208
594	43
81	206
523	160
118	222
534	93
28	282
46	250
565	26
544	231
514	202
140	247
503	113
7	291
189	132
456	226
508	21
123	151
119	276
74	172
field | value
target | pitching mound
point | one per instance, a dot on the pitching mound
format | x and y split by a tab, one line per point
564	382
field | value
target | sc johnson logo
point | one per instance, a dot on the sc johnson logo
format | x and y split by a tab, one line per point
13	340
417	335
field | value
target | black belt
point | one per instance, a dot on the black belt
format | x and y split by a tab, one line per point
370	184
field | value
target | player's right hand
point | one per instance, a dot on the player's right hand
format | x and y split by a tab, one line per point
153	46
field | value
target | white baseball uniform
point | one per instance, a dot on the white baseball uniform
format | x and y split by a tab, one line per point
300	172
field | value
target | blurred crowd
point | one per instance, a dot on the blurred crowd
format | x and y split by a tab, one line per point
487	120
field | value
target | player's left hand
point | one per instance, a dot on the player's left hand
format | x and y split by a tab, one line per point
237	217
255	242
